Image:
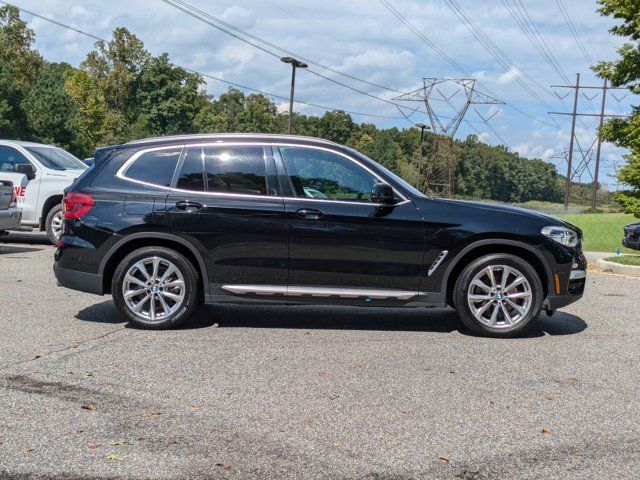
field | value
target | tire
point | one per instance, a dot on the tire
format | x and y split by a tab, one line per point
168	299
53	223
498	312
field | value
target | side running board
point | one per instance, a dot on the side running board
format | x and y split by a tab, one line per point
324	292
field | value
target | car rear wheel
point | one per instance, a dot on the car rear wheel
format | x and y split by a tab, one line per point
53	223
498	295
155	287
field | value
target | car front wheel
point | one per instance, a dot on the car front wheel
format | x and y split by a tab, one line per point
498	295
155	287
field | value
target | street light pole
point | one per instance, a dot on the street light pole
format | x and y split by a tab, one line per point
294	64
422	127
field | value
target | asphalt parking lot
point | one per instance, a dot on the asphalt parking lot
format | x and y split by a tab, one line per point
301	392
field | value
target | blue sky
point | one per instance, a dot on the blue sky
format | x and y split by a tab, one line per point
363	38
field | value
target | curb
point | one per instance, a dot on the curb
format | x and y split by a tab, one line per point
630	270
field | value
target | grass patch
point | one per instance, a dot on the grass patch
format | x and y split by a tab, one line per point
602	231
625	260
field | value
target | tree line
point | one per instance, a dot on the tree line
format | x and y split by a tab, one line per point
121	92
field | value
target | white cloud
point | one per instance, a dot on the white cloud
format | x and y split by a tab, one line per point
362	39
509	76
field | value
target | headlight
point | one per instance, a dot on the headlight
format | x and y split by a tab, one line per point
563	235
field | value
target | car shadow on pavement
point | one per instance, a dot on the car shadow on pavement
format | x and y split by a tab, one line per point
438	320
9	249
103	312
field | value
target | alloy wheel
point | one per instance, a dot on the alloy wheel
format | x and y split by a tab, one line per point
56	225
153	288
499	296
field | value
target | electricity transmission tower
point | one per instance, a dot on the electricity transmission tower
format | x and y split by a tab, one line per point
438	177
585	154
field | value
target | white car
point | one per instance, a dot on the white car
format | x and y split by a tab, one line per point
39	174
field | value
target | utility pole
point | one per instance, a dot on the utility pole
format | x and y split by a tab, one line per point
422	127
294	64
567	187
594	194
585	154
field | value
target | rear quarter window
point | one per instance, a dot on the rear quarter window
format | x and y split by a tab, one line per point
154	167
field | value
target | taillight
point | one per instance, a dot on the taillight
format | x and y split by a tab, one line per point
75	205
14	197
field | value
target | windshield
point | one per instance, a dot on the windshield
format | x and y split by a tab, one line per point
389	173
56	158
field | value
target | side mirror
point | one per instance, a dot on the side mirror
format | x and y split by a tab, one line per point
382	193
25	169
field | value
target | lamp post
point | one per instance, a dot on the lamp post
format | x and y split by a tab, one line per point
294	64
422	128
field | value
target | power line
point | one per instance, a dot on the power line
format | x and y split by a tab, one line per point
498	54
519	13
224	27
452	62
324	107
574	32
55	22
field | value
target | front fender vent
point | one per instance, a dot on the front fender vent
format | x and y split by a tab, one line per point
436	263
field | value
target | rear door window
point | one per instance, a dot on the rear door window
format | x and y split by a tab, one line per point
155	167
233	169
192	172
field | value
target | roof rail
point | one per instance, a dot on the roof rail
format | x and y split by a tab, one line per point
195	136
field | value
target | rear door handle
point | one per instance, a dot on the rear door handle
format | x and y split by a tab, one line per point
310	213
188	206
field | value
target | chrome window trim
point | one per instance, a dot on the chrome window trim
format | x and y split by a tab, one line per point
122	170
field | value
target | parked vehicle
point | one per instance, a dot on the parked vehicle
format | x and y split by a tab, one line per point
39	174
631	237
163	224
9	213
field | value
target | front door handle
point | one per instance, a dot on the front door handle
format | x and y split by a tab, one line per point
188	206
310	213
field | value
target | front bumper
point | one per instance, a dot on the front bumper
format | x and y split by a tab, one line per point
82	281
630	242
567	291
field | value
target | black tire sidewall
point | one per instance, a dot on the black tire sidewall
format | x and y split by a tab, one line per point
189	274
49	220
462	284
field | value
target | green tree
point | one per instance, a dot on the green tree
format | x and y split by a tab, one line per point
167	98
625	71
115	66
94	122
19	67
49	110
16	39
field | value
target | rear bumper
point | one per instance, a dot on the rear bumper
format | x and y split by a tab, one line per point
82	281
10	219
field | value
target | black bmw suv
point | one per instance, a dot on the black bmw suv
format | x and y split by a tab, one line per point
167	223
